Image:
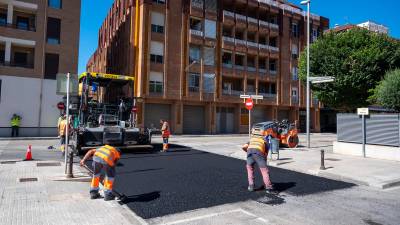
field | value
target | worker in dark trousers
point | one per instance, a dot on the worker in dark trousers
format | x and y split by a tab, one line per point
104	160
257	152
15	123
165	133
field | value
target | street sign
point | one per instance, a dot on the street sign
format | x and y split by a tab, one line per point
61	106
363	111
249	103
134	109
257	97
244	96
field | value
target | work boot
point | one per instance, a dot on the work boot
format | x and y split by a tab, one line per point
108	197
271	190
250	188
94	195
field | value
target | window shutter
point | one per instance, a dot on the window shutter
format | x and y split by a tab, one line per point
211	5
295	49
210	29
157	18
209	56
156	76
194	53
157	48
208	82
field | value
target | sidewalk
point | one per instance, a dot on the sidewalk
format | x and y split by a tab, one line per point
52	199
381	174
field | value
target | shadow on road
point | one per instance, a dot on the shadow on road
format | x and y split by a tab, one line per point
146	197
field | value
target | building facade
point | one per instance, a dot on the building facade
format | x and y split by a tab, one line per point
38	39
194	58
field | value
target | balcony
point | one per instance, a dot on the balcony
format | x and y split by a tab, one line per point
273	49
240	42
228	17
226	65
228	43
268	95
239	67
251	69
241	17
241	21
197	4
252	23
273	72
252	44
262	72
231	92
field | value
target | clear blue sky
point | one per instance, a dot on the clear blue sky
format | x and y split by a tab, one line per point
340	12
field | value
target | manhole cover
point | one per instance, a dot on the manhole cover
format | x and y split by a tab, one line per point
28	179
8	162
48	164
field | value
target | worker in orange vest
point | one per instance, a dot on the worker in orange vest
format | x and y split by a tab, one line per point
104	160
165	133
257	152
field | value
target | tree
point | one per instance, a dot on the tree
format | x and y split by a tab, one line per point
387	93
357	58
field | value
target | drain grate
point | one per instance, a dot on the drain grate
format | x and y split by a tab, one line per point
28	179
48	164
8	162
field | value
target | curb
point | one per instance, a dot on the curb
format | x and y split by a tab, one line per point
27	138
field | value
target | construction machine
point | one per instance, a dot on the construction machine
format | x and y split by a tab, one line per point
103	114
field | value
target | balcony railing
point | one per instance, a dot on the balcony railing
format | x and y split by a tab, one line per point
238	67
267	24
241	17
229	39
230	14
196	32
239	41
251	69
268	95
273	49
194	89
252	20
231	92
262	46
252	44
226	65
273	72
19	27
274	26
197	4
14	64
262	71
270	2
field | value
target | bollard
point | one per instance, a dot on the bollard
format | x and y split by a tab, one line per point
70	163
322	160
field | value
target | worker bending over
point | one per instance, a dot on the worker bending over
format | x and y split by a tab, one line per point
165	134
104	160
257	151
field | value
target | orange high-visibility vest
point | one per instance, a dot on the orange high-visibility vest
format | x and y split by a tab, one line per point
108	153
257	143
62	127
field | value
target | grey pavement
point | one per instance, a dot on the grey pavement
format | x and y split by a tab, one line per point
54	200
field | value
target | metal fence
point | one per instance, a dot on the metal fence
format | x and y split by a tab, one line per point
381	129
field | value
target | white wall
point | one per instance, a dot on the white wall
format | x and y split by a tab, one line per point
21	95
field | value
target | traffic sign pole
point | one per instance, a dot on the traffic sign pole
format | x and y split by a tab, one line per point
250	123
249	105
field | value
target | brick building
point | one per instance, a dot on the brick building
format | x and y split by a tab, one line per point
195	57
38	39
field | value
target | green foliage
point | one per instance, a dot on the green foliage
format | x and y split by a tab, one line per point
358	59
387	93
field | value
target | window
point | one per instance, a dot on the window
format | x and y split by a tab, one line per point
194	54
273	42
272	65
295	51
55	4
208	83
209	56
0	90
295	30
295	75
272	89
20	59
210	29
262	40
227	31
156	82
197	4
2	55
261	64
294	92
22	23
314	34
239	60
194	82
251	36
51	66
227	59
53	31
157	22
250	86
251	63
239	34
3	19
211	5
195	24
159	1
156	52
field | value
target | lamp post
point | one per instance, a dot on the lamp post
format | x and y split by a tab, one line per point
307	2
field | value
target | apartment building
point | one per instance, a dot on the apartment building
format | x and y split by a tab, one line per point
38	39
195	58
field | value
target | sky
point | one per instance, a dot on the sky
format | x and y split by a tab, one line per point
340	12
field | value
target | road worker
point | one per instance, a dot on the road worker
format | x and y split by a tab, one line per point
257	152
165	132
62	131
15	123
104	160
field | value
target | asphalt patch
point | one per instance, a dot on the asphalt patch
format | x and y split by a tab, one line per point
157	184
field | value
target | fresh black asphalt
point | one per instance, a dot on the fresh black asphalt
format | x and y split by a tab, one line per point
158	184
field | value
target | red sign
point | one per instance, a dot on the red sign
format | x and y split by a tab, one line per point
249	103
60	105
134	109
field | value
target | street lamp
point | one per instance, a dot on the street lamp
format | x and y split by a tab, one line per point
307	2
